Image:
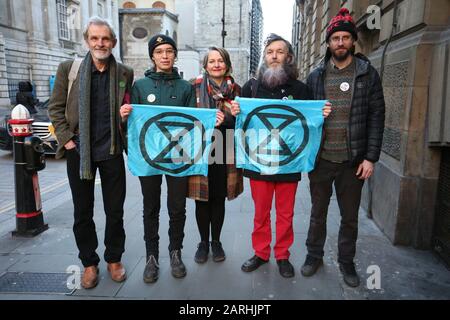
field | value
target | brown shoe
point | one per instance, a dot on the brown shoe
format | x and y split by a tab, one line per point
117	271
90	277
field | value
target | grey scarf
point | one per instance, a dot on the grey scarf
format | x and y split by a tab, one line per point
85	113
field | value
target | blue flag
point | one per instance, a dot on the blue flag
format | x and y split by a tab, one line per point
169	140
278	136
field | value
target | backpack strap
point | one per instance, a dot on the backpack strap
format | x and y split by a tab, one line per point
73	73
254	86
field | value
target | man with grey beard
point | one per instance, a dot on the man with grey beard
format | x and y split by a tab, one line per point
277	79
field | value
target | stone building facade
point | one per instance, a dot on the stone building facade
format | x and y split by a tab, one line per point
137	26
409	195
36	35
195	25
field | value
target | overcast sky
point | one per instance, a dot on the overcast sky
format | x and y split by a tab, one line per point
278	17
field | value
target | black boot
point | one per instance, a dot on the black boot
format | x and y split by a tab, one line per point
252	264
177	265
151	271
201	256
348	270
286	268
217	251
311	266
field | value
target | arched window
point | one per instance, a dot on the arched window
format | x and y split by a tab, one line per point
167	33
159	5
129	5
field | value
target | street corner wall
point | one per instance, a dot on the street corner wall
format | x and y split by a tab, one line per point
402	194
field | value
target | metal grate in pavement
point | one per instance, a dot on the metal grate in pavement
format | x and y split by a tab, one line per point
24	282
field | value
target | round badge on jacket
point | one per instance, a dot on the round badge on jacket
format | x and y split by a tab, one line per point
345	86
151	98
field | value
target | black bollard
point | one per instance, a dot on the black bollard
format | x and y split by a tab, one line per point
28	159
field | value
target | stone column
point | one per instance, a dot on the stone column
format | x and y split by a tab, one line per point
93	9
108	12
35	21
51	19
113	15
84	12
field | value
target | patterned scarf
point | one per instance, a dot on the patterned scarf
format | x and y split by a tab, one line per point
85	113
210	95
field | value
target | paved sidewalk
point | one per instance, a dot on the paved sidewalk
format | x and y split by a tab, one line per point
405	273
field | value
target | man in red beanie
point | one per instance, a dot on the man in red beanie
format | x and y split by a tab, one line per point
351	146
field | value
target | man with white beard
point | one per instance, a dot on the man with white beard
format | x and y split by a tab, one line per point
277	79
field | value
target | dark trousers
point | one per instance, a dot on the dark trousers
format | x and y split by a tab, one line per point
176	205
112	175
348	192
210	214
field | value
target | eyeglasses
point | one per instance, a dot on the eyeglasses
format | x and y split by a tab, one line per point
338	39
168	52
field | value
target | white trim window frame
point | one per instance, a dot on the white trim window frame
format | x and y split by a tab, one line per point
63	17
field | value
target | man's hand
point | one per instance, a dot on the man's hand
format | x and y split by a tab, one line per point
125	111
365	170
220	117
70	145
235	109
327	110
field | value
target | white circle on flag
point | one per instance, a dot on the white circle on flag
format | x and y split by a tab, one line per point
345	86
151	98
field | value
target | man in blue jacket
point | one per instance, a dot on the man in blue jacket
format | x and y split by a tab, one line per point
353	135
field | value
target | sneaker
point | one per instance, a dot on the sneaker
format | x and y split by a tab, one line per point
348	270
151	271
217	251
311	266
201	256
286	268
252	264
177	265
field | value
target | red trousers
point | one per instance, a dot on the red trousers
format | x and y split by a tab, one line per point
262	194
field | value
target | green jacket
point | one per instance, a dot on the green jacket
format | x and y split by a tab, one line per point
163	89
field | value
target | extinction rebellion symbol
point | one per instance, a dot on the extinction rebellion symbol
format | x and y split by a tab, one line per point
279	145
175	144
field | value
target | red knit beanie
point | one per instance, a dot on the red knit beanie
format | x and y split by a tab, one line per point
342	22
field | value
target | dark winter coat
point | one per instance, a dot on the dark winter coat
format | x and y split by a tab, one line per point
367	115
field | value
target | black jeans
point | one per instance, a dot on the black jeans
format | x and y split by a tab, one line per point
112	175
176	205
210	213
348	192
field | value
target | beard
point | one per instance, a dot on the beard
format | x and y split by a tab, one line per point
342	56
272	77
101	55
